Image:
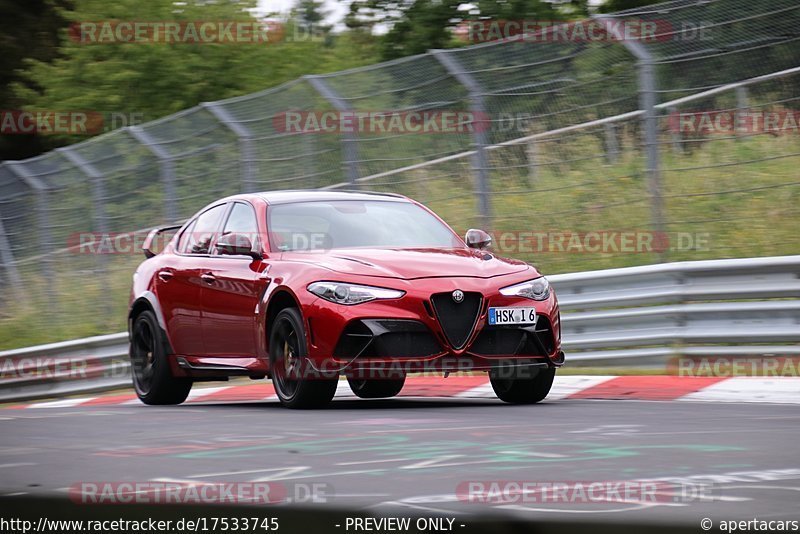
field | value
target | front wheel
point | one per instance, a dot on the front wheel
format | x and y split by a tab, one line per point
152	378
527	390
287	355
376	388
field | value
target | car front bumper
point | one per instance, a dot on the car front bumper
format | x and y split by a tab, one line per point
413	334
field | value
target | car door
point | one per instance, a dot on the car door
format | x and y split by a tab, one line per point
179	284
232	290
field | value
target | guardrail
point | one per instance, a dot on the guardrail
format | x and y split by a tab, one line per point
641	316
634	317
73	367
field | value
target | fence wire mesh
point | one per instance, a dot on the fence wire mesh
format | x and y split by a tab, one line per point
570	148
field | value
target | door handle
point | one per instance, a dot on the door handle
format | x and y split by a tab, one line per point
208	278
165	276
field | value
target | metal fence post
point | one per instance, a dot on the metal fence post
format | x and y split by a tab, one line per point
246	148
97	180
647	102
480	161
167	170
7	259
675	130
612	144
349	139
742	106
531	156
309	165
100	222
43	221
7	253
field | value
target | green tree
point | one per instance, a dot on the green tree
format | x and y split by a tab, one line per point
156	79
310	12
415	26
518	10
610	6
28	29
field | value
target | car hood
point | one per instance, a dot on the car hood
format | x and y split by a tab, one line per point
409	264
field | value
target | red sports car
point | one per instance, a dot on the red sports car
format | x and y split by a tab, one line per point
306	286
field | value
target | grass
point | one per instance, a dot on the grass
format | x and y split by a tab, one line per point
743	194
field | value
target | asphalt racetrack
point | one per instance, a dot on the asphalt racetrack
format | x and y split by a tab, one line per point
415	455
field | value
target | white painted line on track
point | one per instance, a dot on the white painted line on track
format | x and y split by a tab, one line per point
334	474
193	394
534	454
483	391
564	386
66	403
375	461
431	429
352	495
202	392
783	390
245	472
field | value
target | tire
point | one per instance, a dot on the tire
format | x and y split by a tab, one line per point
152	377
376	388
287	357
523	390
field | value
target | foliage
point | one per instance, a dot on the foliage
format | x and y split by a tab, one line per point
28	29
564	197
610	6
156	79
416	26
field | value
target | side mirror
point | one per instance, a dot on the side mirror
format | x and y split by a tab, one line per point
236	245
477	239
153	238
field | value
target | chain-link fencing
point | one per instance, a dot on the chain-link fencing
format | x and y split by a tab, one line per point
578	152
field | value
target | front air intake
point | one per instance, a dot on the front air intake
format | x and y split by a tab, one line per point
457	318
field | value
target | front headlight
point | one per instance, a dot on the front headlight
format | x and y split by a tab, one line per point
348	294
538	289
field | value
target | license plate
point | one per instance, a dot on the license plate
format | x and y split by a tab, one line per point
512	315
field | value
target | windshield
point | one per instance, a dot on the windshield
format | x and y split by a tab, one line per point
356	223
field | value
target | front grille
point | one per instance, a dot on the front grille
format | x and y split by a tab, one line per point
457	318
516	341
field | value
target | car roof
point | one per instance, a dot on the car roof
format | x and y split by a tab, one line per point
311	195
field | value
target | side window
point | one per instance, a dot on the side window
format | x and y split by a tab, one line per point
242	220
183	241
203	231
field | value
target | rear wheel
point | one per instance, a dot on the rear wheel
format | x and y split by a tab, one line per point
376	388
152	377
522	390
287	353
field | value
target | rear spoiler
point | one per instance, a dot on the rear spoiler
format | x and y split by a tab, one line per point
148	242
